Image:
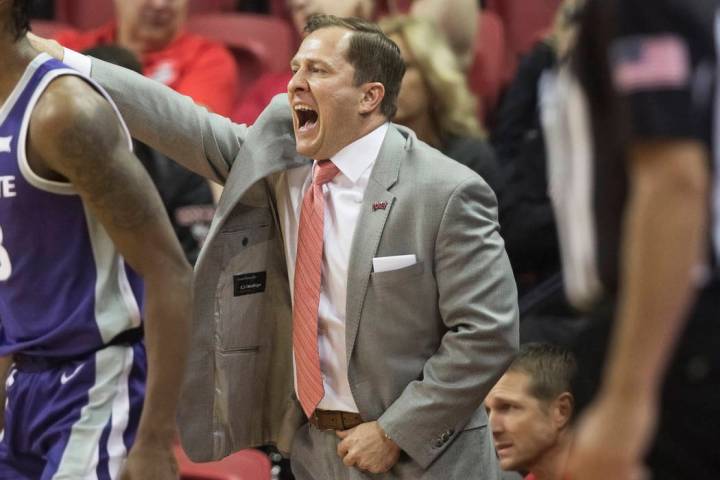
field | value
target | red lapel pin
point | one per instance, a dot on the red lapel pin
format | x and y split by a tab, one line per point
379	206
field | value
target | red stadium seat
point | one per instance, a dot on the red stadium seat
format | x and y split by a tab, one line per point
244	465
261	43
526	21
86	14
492	64
48	28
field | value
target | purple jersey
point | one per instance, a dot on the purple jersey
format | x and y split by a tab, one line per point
64	288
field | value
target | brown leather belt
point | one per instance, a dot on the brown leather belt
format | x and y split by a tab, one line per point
334	420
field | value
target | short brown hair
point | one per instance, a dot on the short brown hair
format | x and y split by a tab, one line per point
374	56
551	369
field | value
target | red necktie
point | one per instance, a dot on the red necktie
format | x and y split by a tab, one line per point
308	267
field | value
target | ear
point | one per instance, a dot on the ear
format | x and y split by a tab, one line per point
372	96
562	409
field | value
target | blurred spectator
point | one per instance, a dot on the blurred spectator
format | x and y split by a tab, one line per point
186	196
457	19
435	101
153	29
526	217
530	411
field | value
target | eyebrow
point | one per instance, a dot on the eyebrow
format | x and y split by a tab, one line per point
506	399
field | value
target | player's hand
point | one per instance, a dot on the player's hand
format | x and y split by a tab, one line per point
145	461
51	47
612	438
367	448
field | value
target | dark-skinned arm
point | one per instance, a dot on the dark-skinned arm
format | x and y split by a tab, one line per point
76	135
664	235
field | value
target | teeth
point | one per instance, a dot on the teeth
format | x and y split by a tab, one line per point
303	108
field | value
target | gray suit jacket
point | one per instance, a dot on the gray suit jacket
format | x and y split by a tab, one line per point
424	343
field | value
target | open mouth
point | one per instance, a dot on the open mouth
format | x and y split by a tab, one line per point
502	448
306	116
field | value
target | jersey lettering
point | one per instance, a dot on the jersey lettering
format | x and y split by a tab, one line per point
5	266
7	186
5	144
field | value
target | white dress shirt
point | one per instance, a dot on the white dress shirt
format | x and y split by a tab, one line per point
343	199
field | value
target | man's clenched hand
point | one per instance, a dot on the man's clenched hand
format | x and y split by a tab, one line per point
367	448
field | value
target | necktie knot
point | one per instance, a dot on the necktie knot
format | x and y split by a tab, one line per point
325	171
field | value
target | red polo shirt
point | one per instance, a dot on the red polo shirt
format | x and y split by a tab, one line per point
192	65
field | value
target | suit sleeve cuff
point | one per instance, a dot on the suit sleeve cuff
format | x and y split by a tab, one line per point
413	445
78	61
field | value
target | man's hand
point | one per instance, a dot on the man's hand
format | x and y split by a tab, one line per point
51	47
150	461
611	440
367	448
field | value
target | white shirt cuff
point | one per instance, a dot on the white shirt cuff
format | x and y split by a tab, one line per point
78	61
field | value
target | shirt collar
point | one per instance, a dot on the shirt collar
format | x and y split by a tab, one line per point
357	157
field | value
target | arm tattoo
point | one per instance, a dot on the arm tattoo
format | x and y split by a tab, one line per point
112	180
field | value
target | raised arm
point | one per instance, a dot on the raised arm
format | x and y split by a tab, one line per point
76	135
158	116
171	123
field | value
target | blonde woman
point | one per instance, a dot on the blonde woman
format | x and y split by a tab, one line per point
434	98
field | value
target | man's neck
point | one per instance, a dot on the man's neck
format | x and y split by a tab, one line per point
553	462
367	127
15	56
126	39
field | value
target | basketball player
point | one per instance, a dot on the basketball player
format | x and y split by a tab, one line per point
638	145
80	226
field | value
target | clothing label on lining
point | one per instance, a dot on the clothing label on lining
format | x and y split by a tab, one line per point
247	283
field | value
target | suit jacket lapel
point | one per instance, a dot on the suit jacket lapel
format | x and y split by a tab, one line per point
369	229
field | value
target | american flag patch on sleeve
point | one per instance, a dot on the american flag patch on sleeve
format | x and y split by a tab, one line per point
649	62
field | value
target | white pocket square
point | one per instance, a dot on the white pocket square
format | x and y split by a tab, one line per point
396	262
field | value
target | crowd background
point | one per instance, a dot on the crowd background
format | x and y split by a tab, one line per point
470	91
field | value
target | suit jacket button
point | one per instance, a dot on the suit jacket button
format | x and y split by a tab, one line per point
439	443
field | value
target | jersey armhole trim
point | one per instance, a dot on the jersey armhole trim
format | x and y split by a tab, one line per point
41	183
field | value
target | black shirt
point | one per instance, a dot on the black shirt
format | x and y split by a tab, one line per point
186	195
649	71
